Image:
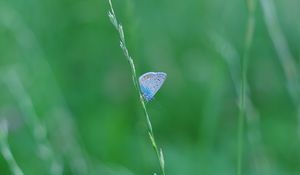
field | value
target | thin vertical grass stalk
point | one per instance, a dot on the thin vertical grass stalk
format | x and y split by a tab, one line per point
231	57
285	56
6	151
39	131
242	100
119	28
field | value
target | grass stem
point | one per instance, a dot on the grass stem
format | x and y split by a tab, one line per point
119	28
242	95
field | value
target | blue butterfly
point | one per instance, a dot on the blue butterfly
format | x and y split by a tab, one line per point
150	83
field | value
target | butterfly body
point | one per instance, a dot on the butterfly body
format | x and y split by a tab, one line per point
150	83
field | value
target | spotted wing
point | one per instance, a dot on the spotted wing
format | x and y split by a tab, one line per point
151	82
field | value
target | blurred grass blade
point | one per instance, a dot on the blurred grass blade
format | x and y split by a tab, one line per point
39	131
230	54
242	100
5	150
284	54
34	61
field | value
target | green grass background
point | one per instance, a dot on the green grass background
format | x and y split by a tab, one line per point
65	55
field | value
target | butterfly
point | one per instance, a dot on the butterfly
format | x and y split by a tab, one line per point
150	83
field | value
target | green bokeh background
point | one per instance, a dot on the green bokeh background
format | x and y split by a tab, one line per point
63	57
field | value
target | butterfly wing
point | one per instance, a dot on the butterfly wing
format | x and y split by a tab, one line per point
150	83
